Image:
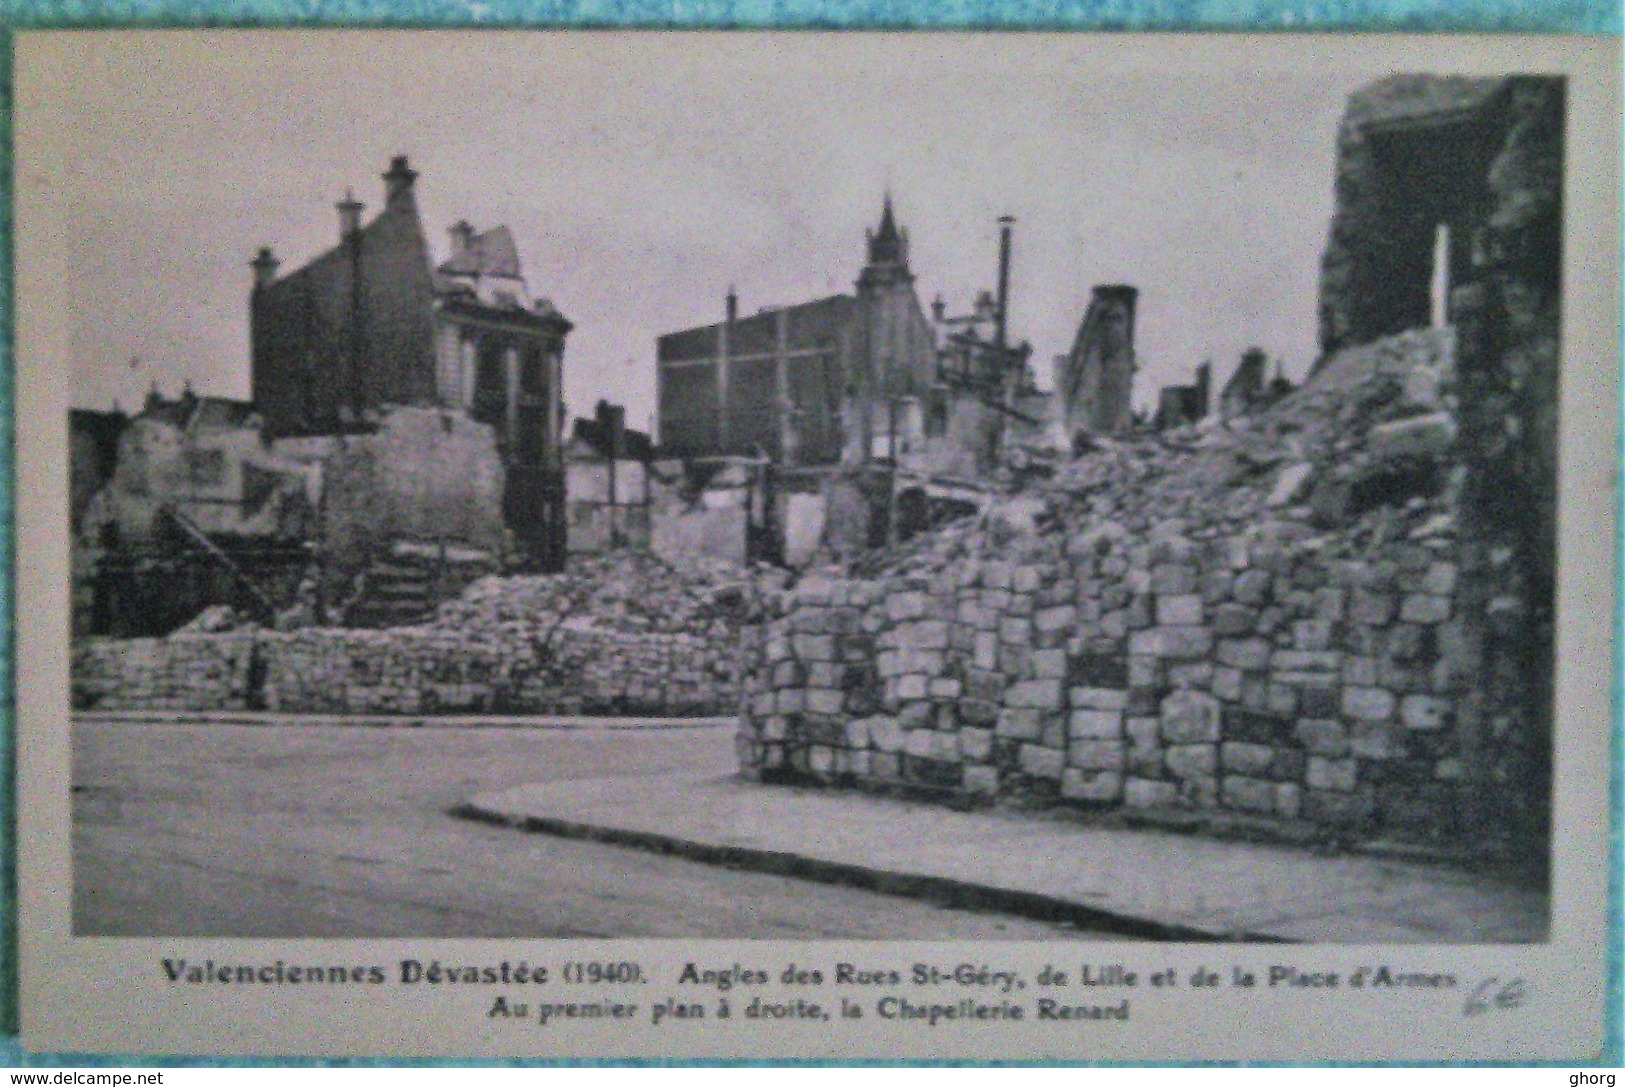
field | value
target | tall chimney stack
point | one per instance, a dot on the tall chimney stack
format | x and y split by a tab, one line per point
265	266
462	236
350	210
399	178
733	305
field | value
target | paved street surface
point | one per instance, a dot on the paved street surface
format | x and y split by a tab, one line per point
338	830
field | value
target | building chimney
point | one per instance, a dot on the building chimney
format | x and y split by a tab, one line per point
733	305
350	210
399	179
939	309
462	237
612	417
265	266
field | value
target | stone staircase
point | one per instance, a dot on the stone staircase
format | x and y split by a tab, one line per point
406	584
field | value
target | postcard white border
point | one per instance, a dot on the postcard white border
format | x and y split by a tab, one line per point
83	994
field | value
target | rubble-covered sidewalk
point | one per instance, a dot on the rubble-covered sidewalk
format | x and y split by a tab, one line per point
1151	884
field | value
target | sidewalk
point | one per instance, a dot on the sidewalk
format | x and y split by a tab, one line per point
1145	883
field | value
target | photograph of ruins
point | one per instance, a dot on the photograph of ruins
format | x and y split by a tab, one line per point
538	496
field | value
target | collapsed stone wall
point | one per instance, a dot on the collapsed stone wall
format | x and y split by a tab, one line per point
1262	618
617	634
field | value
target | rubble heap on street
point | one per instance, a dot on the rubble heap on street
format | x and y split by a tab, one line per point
619	633
1260	617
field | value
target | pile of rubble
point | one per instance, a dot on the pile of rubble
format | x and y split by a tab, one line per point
618	592
1256	616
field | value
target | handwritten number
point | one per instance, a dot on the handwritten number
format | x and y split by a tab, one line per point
1493	994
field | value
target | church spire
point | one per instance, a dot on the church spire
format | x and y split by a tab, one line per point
888	244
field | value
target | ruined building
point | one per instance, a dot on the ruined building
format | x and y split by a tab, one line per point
805	385
1250	388
1334	622
1185	405
374	324
821	392
1450	207
1096	378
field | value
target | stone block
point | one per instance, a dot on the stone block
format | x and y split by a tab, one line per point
1020	724
1248	794
1191	760
1247	759
1288	800
1423	713
1290	484
1374	740
1282	700
1190	717
1424	436
1191	674
822	700
1244	654
903	607
814	647
1049	664
1097	698
1143	672
910	688
1041	762
1041	694
821	760
978	712
1098	787
1371	608
1256	726
1149	793
857	732
1368	703
1098	670
1095	725
1440	579
1096	754
1312	634
1051	620
1425	608
1143	732
924	634
945	744
1332	775
920	743
886	734
981	780
886	766
1348	810
985	651
1322	736
1252	586
1231	620
976	744
1173	578
1184	609
948	689
1172	642
1016	631
1226	684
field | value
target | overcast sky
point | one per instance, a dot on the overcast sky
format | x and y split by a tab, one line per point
644	174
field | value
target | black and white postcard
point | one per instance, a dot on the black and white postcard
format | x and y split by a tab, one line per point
980	546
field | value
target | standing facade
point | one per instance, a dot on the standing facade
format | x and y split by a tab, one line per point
373	324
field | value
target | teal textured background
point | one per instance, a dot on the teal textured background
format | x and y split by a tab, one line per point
1593	17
